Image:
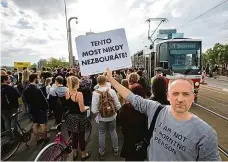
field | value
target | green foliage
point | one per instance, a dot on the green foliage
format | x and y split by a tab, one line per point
33	66
54	63
216	55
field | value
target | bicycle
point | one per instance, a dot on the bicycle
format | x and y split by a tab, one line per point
87	133
58	150
11	140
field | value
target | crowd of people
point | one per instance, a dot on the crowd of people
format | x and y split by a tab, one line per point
215	70
122	98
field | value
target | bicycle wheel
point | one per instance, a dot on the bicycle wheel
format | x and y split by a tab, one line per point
9	145
50	152
88	133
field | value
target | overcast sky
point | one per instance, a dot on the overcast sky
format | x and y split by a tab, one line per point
36	29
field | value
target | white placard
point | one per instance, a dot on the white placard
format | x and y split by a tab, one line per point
99	51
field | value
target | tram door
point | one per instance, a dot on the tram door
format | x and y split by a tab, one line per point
151	65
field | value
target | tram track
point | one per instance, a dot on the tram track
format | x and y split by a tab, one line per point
212	112
223	150
223	141
212	107
214	99
218	93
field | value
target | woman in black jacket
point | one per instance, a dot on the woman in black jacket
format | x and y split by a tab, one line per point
134	127
159	90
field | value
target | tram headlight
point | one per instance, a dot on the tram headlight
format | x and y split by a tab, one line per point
196	83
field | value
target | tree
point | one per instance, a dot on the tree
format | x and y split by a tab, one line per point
216	55
55	63
34	65
204	59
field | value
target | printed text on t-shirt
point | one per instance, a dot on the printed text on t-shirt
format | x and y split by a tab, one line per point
170	140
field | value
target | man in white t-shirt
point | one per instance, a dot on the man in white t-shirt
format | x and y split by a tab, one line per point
105	122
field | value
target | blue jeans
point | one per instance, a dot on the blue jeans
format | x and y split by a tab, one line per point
102	128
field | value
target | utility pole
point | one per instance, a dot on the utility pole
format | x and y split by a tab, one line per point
65	9
71	61
162	20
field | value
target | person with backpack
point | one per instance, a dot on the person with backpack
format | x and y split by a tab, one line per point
105	104
38	105
9	101
46	90
57	100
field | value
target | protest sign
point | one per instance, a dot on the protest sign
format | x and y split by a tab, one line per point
99	51
22	64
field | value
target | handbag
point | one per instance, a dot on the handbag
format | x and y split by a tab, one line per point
141	147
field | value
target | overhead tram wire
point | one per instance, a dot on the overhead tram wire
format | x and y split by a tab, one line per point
167	4
161	21
159	15
203	14
154	2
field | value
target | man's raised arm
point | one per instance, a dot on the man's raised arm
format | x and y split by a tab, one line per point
124	92
143	105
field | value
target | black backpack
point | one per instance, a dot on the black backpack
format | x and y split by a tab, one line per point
57	101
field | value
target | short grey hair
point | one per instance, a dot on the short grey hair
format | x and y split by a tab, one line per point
181	77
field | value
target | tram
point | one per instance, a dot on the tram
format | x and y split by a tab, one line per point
178	56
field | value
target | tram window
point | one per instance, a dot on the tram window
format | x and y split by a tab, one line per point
166	65
163	52
198	57
160	64
188	60
152	55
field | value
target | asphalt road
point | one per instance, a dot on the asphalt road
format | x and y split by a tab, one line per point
25	153
222	84
217	123
214	97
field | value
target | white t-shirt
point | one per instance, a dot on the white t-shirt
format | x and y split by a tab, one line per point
107	85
